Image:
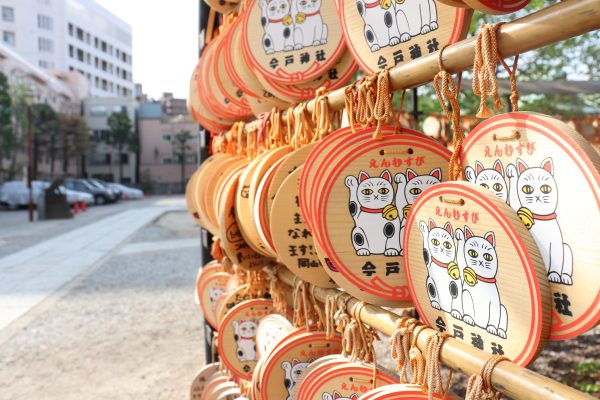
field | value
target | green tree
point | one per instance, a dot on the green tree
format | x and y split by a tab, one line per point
121	136
180	148
9	143
45	127
75	140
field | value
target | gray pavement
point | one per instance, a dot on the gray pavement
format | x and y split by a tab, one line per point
117	322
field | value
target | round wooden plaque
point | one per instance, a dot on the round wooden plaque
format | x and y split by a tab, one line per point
496	6
397	392
347	381
237	336
384	33
201	378
232	240
454	3
271	330
287	361
361	210
237	296
225	84
292	42
198	110
230	394
292	239
215	198
315	369
222	6
211	385
209	290
204	272
475	272
549	175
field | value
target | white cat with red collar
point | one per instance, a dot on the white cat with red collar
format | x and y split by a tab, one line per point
245	340
277	23
309	28
381	29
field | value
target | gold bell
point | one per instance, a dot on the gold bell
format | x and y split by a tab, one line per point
385	4
453	270
390	212
300	18
406	209
470	276
526	216
287	20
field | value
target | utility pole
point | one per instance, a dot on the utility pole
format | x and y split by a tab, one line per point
30	157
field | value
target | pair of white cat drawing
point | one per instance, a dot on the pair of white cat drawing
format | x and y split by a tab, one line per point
244	334
462	279
390	22
533	194
379	215
292	26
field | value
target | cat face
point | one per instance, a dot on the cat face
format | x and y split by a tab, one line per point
490	178
214	293
277	9
247	328
308	6
441	243
297	369
537	188
416	184
376	192
480	253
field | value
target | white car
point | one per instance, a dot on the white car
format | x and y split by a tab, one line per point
15	194
127	193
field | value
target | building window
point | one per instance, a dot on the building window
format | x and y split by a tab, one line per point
71	51
8	14
124	158
96	42
44	22
45	45
8	37
166	138
79	34
80	55
98	111
167	160
46	64
70	29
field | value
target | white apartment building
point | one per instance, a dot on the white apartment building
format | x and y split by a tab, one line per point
72	35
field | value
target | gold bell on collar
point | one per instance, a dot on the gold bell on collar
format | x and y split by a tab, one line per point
526	216
390	212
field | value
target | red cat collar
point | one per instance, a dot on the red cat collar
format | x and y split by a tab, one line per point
276	21
247	337
312	14
486	280
439	263
372	210
548	217
373	4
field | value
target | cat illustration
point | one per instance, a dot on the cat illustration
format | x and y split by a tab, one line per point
277	23
491	178
478	261
293	370
337	396
443	281
377	227
309	28
245	340
534	196
380	29
415	17
410	186
214	293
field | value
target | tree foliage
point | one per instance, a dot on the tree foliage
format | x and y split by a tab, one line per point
9	143
121	136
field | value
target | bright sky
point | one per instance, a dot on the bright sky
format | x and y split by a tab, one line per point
165	42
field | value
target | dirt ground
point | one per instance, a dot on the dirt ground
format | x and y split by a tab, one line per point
128	330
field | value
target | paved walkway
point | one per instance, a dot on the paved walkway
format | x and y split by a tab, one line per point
29	276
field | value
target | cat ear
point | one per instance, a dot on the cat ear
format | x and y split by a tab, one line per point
468	232
478	167
470	174
499	167
431	224
336	394
436	173
410	174
491	238
354	397
521	166
295	362
362	175
548	165
387	175
448	227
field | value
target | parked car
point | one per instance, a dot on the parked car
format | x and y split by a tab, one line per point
101	184
127	193
101	195
15	194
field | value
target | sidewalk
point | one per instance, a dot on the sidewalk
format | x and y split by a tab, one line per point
29	276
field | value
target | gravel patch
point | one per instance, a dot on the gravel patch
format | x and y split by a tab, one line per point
129	330
171	225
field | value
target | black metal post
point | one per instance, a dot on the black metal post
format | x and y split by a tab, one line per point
30	157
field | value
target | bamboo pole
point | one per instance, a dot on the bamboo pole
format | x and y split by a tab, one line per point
545	27
514	381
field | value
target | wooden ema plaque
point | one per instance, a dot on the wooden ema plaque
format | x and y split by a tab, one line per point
294	160
237	296
225	84
292	239
497	6
475	272
362	204
198	110
385	33
287	361
292	41
209	290
211	385
215	198
397	392
217	392
346	381
237	336
271	330
201	378
203	273
232	240
334	359
230	394
548	174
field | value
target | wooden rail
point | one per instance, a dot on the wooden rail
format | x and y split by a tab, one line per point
550	25
514	381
